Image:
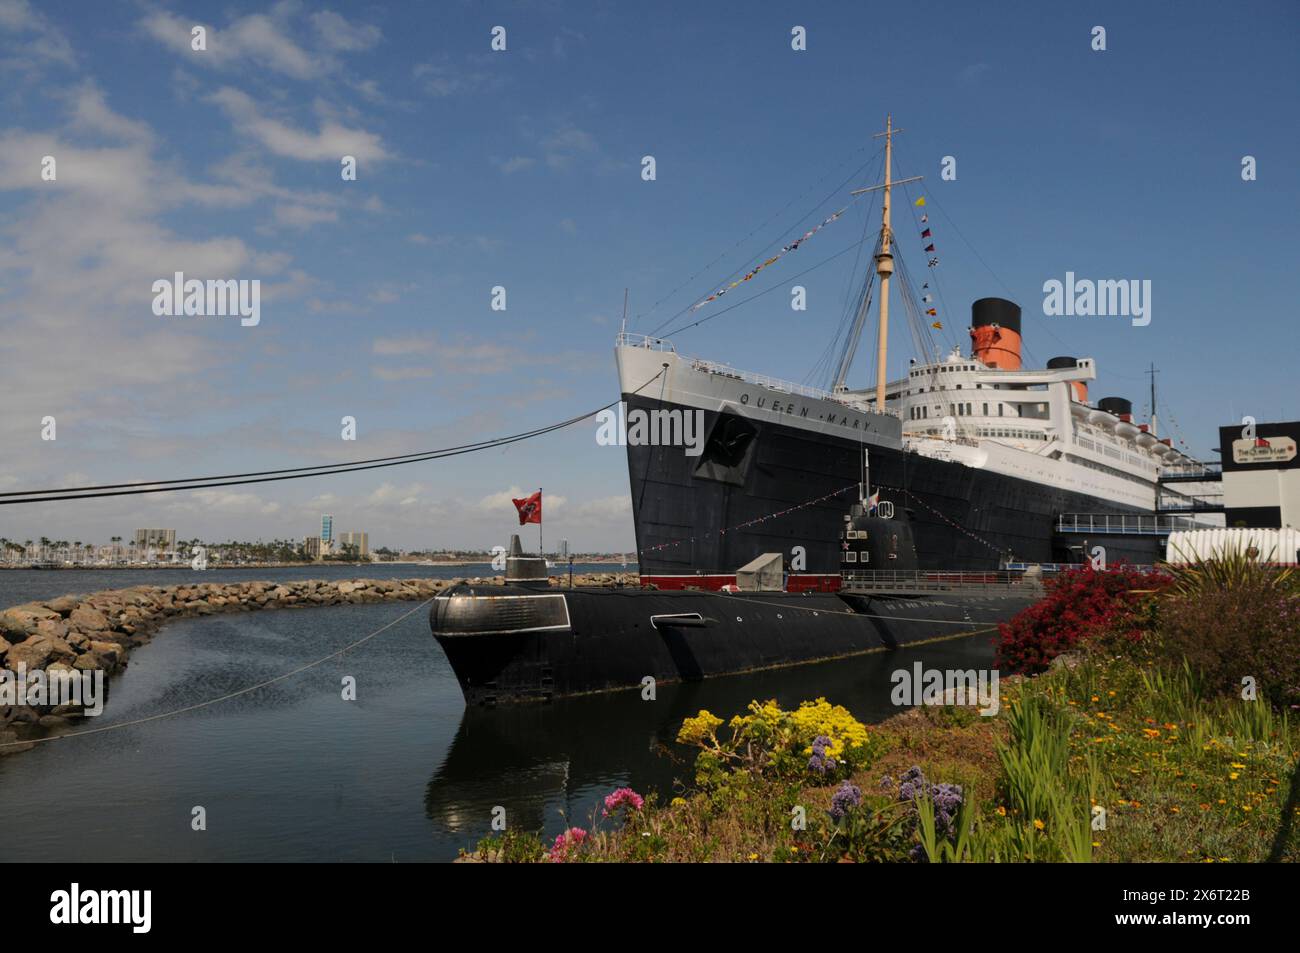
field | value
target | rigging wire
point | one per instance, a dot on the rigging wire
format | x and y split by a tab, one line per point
292	473
809	214
752	233
717	314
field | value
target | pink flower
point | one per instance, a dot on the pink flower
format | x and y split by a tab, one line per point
623	797
565	842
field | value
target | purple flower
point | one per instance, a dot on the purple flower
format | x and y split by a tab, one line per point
819	763
846	797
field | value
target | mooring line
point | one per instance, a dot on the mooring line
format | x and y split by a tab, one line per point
226	697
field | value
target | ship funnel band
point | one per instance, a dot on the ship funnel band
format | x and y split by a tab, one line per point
995	333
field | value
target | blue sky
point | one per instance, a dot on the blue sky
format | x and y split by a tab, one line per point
522	169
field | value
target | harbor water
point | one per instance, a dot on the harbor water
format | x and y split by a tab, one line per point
403	773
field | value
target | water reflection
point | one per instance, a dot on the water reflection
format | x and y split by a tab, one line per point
546	762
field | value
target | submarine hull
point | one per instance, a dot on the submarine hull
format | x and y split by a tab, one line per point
514	643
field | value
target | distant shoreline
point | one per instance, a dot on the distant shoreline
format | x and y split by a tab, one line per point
429	564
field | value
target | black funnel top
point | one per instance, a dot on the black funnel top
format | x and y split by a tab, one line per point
997	311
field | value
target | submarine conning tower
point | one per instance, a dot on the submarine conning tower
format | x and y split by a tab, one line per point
525	569
995	333
875	543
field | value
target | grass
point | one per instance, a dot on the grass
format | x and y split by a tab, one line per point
1105	761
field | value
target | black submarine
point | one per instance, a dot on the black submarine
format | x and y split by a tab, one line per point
530	641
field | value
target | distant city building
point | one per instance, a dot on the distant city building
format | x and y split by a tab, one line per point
313	547
327	528
164	539
360	540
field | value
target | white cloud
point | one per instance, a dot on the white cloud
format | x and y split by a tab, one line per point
330	143
402	373
336	33
303	216
514	164
37	42
253	40
389	347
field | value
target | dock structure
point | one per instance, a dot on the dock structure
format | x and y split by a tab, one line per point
922	582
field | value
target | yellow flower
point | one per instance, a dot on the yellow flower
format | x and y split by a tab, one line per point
1039	824
1002	811
1238	765
753	856
1233	776
1096	843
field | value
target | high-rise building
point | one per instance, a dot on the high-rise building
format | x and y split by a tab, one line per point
313	547
163	539
360	540
327	528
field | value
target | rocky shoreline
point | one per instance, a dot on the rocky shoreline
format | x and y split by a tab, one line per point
98	631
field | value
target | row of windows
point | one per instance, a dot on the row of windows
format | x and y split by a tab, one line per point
963	410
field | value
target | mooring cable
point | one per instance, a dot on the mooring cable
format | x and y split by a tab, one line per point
229	695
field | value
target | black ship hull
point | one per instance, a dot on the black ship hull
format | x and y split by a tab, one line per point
512	643
772	487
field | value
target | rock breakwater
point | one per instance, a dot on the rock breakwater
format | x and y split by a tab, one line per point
97	632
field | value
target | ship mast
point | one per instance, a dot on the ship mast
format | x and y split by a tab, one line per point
884	258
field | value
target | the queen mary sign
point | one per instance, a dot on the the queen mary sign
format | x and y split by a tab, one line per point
1263	450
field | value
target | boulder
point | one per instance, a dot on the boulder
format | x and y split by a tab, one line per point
86	619
21	621
63	605
52	628
34	653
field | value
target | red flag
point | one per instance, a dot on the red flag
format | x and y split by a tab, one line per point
929	248
926	233
530	508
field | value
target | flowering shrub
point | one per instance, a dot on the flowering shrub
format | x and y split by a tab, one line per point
1079	604
624	799
817	738
567	844
1231	618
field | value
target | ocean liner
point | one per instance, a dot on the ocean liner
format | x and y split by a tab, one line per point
991	463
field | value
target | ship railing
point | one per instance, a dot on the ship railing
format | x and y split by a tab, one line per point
935	580
1199	469
1124	524
627	339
